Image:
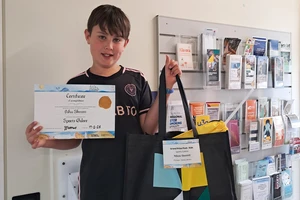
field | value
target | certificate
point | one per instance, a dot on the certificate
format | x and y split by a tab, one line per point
75	111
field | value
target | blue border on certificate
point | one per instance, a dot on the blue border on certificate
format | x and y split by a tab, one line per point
74	88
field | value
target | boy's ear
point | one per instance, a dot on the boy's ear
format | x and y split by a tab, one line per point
126	42
87	36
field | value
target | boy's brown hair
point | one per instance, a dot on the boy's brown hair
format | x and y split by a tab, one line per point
110	19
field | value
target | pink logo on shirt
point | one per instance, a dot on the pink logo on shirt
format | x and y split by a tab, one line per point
130	89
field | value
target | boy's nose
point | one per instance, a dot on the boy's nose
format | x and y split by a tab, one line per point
109	46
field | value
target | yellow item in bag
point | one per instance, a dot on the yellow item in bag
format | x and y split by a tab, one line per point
209	128
196	176
202	119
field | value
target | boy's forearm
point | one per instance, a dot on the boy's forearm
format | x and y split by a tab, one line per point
151	120
62	144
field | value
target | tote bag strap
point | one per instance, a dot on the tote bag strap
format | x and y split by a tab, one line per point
163	107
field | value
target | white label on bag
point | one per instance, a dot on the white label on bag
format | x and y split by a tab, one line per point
181	153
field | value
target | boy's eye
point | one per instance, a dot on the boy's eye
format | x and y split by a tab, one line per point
117	40
102	37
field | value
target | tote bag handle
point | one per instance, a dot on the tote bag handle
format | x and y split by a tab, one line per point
163	107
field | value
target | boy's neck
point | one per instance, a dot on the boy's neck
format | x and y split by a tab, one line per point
106	72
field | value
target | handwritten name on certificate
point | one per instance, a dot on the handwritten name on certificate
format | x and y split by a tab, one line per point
75	111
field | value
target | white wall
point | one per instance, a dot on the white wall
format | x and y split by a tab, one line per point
1	113
45	44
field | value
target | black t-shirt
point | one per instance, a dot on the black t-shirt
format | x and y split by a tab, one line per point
102	164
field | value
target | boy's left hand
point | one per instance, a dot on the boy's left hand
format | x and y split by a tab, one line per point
172	69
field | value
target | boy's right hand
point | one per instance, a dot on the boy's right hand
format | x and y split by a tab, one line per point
32	136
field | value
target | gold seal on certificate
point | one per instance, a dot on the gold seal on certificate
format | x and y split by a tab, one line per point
75	111
105	102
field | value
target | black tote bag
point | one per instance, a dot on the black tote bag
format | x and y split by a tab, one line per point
147	179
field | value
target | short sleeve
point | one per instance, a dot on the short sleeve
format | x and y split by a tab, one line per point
71	81
145	98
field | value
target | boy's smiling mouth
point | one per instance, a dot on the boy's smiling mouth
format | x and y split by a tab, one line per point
107	55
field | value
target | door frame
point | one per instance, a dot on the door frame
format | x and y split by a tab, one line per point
2	136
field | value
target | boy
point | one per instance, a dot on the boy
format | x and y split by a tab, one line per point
101	175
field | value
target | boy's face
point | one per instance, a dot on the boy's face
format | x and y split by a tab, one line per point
106	49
